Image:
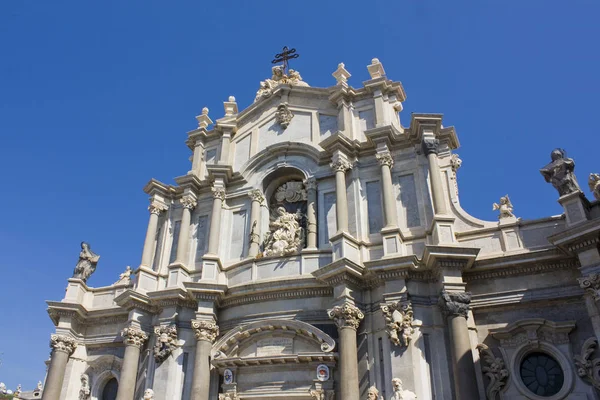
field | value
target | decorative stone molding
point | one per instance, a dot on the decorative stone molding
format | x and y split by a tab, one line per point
134	337
455	162
430	146
188	202
232	395
205	330
157	208
588	369
63	343
310	183
257	195
455	303
494	369
591	285
584	244
283	116
346	316
321	394
532	331
166	342
594	184
398	320
218	192
291	192
341	165
385	158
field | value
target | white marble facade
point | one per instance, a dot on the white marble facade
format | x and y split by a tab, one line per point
393	278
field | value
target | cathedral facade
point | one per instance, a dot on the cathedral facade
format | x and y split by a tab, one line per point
317	249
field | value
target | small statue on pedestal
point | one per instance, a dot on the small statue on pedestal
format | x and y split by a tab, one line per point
86	264
560	173
505	207
400	393
124	277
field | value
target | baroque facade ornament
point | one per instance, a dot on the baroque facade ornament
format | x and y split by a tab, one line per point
257	195
205	330
372	393
292	192
166	342
346	316
286	234
134	337
188	202
385	158
560	173
310	183
588	369
594	184
268	86
85	390
283	116
124	277
430	146
455	303
455	162
87	263
156	208
148	394
218	192
494	369
63	343
398	320
591	285
321	394
341	164
505	207
400	393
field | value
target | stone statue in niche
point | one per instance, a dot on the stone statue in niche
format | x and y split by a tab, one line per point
560	173
399	392
166	342
84	392
505	207
86	264
286	234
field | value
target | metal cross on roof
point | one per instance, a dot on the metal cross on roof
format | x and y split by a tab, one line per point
285	55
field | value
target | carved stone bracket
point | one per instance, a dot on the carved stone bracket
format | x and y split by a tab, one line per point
341	165
591	285
257	195
430	145
321	394
398	320
218	192
134	337
205	330
588	369
283	116
346	316
63	343
494	369
385	158
188	202
166	342
455	303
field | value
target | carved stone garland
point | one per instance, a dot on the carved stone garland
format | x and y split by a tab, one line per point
588	370
495	370
398	320
205	330
455	303
166	342
346	316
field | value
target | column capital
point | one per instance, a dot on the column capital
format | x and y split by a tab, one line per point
134	337
591	285
310	183
257	195
341	164
455	303
63	343
188	202
218	192
430	145
205	330
385	158
346	316
157	208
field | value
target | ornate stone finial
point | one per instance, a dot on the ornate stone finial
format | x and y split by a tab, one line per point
455	162
588	369
148	394
591	285
385	158
205	330
494	369
455	303
203	120
188	202
87	263
310	183
376	69
257	195
505	207
231	107
124	277
134	337
231	99
218	192
560	173
430	145
166	342
372	393
156	208
63	343
341	164
283	116
341	75
346	316
85	390
594	184
398	320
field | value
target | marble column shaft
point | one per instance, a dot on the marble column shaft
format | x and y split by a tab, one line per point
341	199
311	212
389	202
206	332
215	220
62	347
183	244
155	211
257	200
134	340
347	318
435	175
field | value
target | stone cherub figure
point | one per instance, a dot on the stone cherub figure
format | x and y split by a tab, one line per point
86	264
560	172
84	391
286	234
399	392
148	394
594	184
505	207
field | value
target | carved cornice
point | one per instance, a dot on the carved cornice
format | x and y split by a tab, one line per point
205	330
591	285
134	337
588	369
494	368
346	316
341	165
430	146
63	343
284	294
385	158
257	195
528	269
218	192
455	303
584	244
188	202
398	317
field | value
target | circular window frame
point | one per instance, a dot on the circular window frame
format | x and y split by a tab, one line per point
551	351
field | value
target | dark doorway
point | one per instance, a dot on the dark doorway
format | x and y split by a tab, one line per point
110	390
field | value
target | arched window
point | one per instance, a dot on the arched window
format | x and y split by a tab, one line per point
110	390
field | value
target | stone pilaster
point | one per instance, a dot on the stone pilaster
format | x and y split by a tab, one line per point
389	203
340	165
62	347
188	203
258	199
430	148
215	220
206	332
155	209
134	339
311	212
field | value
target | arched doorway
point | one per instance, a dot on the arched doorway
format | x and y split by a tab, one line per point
110	390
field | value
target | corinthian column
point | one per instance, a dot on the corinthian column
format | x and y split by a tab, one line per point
341	165
155	210
455	305
188	203
134	340
347	319
430	148
257	201
62	347
215	220
591	287
389	203
206	332
311	212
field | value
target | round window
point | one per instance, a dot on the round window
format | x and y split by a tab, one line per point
542	374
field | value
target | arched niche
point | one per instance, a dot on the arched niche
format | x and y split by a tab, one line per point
102	370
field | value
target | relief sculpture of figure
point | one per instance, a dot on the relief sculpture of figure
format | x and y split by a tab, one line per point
286	234
84	392
560	172
148	394
86	264
505	207
400	393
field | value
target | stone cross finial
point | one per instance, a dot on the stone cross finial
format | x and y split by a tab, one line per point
231	107
341	75
376	69
203	120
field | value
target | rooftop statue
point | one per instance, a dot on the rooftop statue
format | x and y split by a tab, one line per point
560	173
594	184
124	277
279	77
399	392
505	207
286	234
86	264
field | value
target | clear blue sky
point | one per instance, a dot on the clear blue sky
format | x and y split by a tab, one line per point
96	98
